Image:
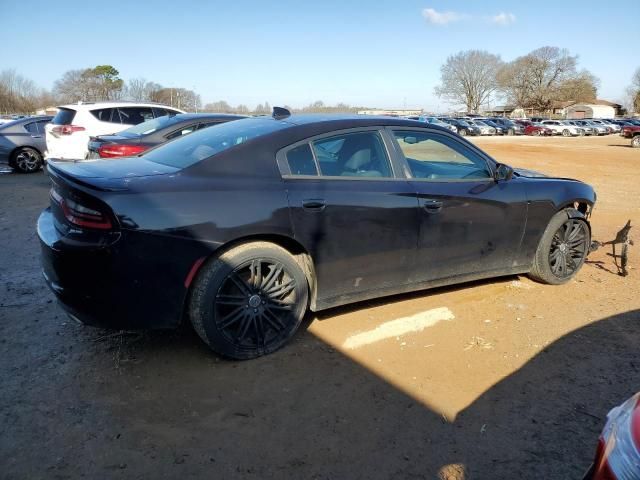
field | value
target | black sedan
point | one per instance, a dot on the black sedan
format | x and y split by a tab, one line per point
151	133
242	227
22	143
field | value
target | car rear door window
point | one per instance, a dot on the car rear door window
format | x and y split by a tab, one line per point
440	158
32	128
300	160
360	154
135	115
109	115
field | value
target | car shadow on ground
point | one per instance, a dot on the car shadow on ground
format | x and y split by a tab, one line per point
160	404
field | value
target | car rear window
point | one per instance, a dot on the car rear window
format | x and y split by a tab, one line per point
64	116
191	149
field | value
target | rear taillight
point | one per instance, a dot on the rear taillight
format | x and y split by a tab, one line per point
66	129
81	215
110	151
620	457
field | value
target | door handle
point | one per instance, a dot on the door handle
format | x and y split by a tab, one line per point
431	205
316	204
36	136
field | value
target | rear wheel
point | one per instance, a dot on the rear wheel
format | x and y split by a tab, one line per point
566	132
26	160
635	141
562	250
249	301
580	132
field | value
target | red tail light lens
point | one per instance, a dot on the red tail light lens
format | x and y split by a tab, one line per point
67	129
111	151
635	425
620	457
81	215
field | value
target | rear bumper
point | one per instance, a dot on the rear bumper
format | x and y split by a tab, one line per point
105	284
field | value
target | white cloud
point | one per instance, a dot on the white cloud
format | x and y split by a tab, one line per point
503	18
440	18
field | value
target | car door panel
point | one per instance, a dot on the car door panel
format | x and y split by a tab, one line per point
466	225
361	234
477	227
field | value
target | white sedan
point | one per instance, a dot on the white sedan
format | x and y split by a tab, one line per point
563	129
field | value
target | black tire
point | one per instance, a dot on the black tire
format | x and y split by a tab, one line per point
562	250
463	132
635	141
566	132
249	301
26	160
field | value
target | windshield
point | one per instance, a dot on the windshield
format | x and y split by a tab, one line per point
190	149
150	126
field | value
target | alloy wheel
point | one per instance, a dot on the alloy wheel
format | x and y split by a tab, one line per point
255	304
27	160
635	142
568	248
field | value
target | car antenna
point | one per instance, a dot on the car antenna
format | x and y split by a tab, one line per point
279	113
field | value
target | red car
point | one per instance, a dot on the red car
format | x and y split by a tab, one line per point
537	129
632	132
618	454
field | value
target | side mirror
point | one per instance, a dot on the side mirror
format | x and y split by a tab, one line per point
503	172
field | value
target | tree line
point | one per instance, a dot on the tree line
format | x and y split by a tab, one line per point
537	80
103	83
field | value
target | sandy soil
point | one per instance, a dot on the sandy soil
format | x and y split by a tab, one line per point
514	381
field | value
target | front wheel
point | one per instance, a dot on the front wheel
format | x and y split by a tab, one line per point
566	132
635	141
562	250
463	132
26	160
249	301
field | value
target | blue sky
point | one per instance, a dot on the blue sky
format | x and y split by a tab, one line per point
380	53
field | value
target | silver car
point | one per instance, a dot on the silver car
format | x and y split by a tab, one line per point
22	143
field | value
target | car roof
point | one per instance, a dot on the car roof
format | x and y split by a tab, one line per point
95	105
22	121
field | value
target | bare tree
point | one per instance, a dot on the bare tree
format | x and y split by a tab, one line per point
469	78
141	90
581	88
633	92
543	76
19	94
181	98
220	107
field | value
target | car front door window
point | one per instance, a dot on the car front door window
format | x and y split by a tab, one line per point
440	158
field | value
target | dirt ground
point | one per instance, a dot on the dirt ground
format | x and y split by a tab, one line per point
515	383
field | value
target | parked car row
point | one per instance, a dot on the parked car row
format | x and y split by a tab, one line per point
96	130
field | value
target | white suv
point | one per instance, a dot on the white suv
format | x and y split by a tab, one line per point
68	133
560	128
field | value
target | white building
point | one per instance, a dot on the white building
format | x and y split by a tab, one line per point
601	109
